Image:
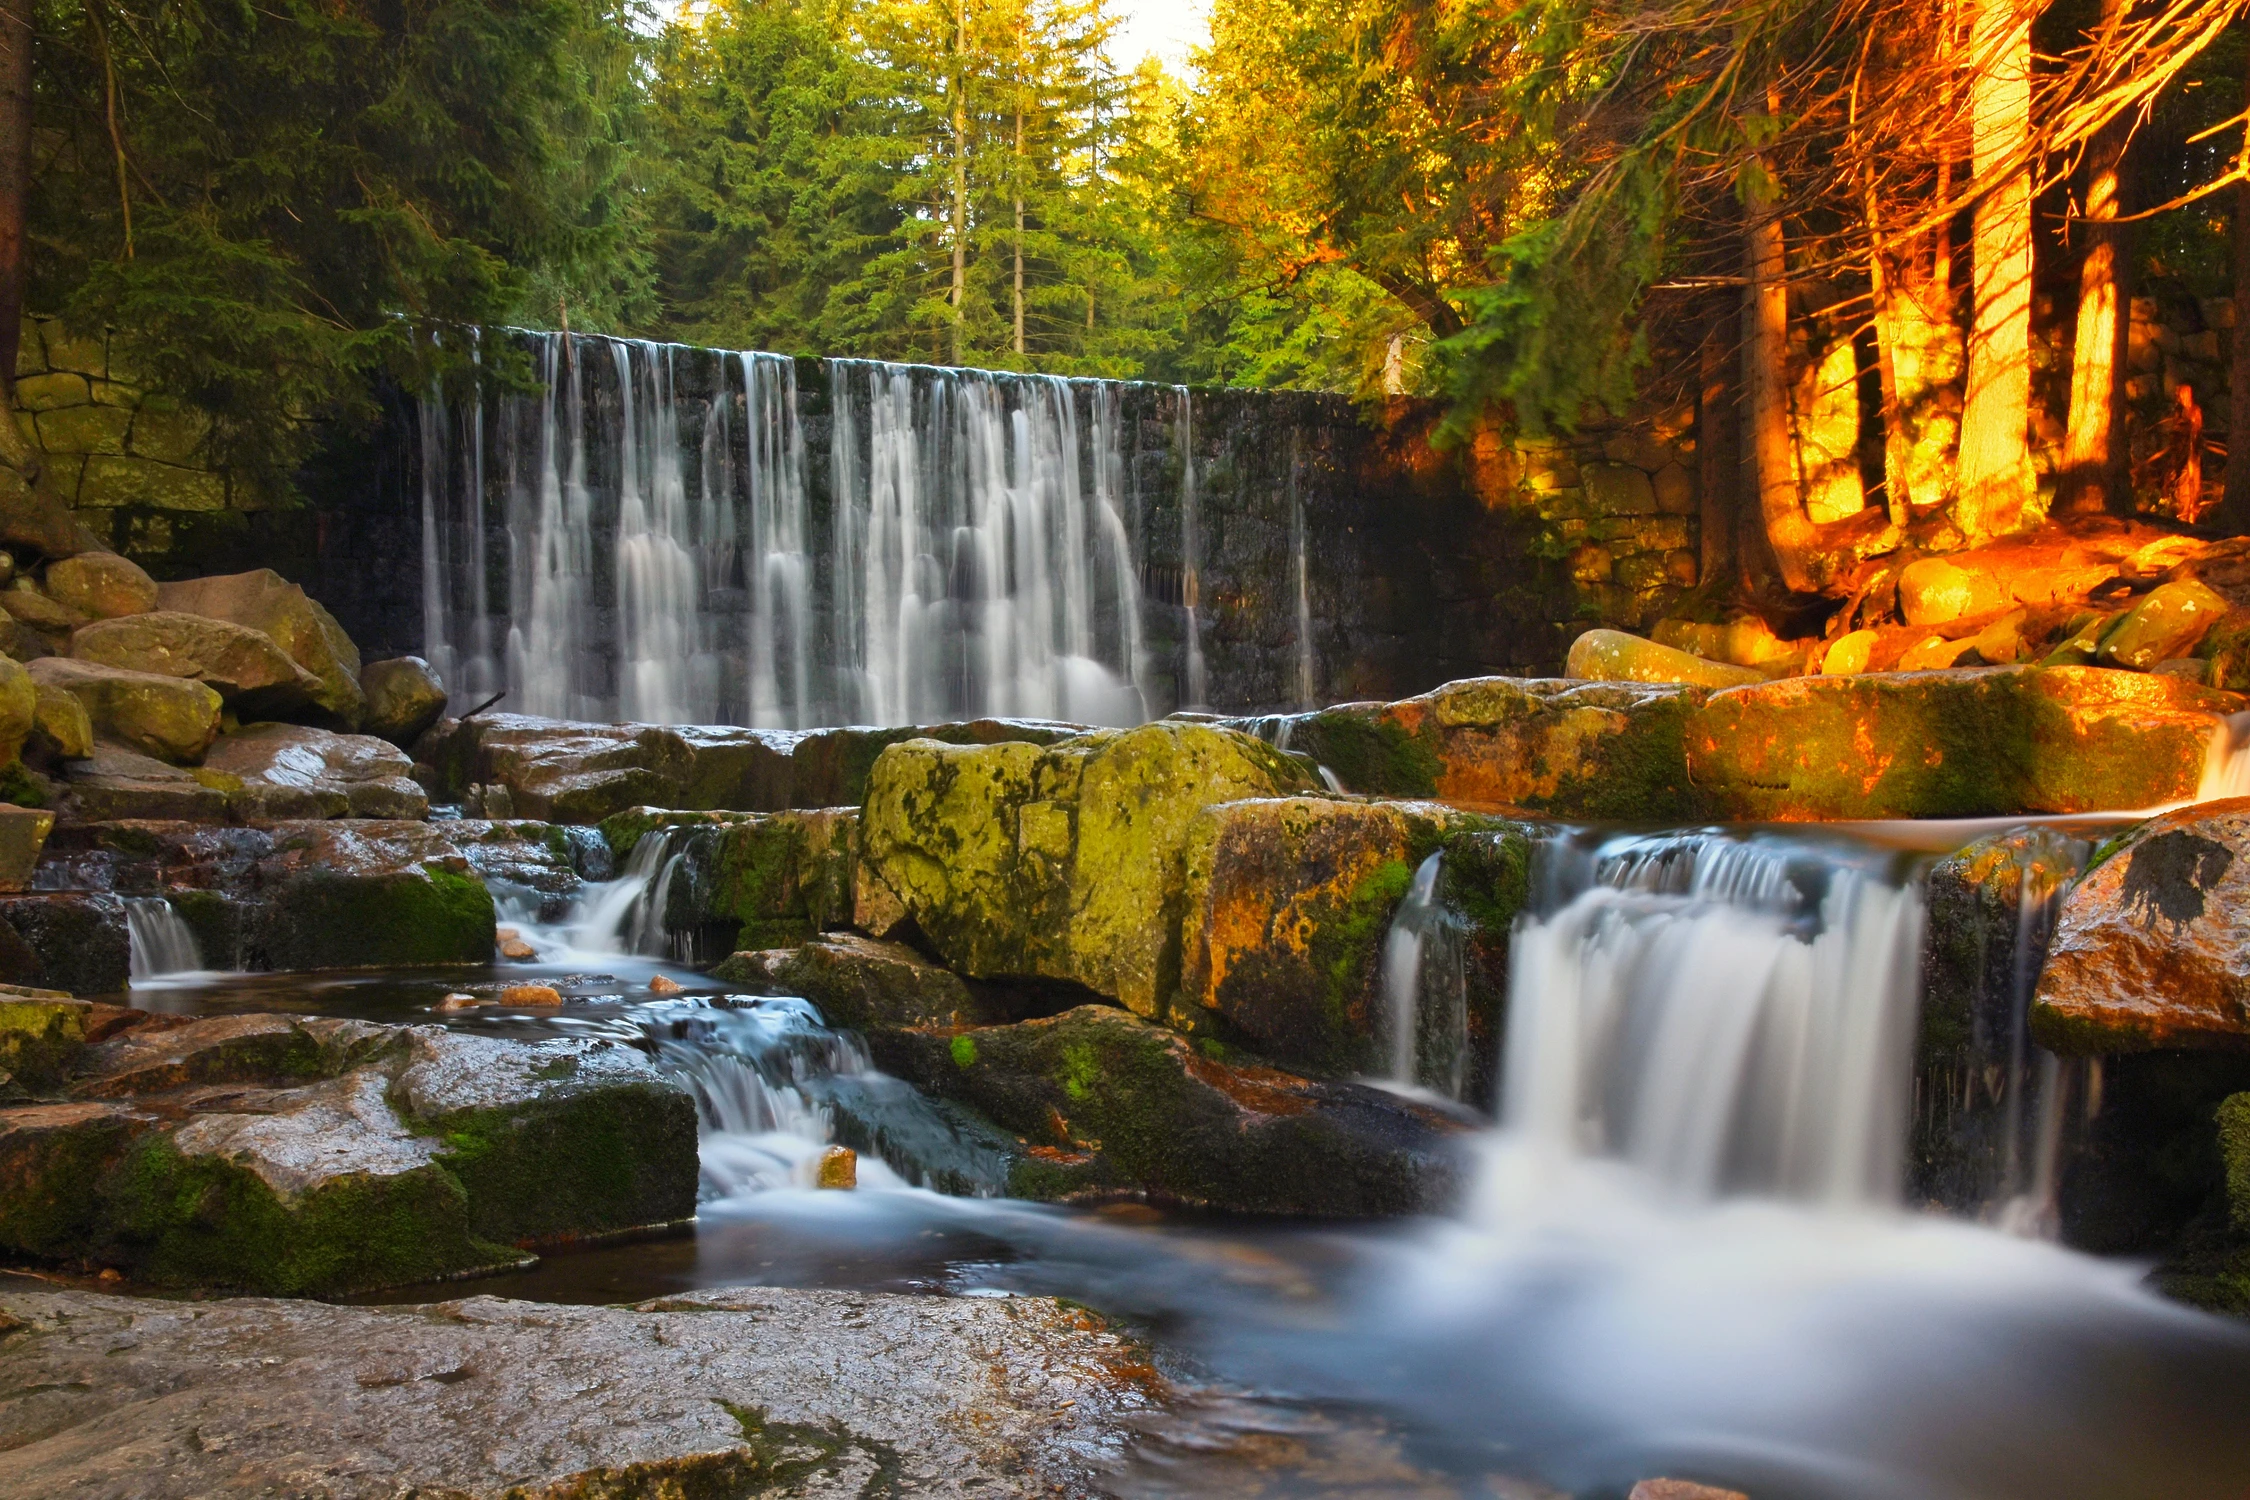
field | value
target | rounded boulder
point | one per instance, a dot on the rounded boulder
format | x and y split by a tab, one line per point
101	585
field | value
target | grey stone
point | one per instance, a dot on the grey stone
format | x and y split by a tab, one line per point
748	1391
293	771
114	782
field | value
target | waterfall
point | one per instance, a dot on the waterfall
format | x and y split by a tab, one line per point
1301	565
673	555
626	915
1726	1014
1425	990
162	943
1191	554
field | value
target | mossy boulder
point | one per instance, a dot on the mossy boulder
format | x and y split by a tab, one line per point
23	833
101	585
19	708
173	719
1608	751
2169	623
1979	742
405	696
308	1156
1614	656
353	894
1062	861
2152	949
40	1036
245	667
1288	903
265	601
830	767
60	726
863	985
1112	1104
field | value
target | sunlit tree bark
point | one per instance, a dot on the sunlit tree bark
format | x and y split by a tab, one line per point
1765	404
1995	463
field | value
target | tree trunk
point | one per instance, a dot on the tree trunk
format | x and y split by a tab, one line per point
15	192
1898	443
2089	482
1718	470
960	172
1765	364
2234	511
1996	413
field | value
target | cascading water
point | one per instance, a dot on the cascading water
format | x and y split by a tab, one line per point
162	944
1300	557
672	555
1425	991
1196	684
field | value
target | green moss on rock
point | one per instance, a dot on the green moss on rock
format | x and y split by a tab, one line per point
580	1162
394	918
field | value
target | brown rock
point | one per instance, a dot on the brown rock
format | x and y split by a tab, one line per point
459	1001
2152	947
61	722
23	833
23	600
113	783
1934	591
531	995
517	950
101	585
839	1168
1681	1489
295	771
1614	656
38	519
862	984
263	600
171	718
405	696
244	666
660	985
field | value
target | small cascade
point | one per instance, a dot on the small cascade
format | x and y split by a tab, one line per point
1727	1014
1425	990
163	945
627	915
644	537
2226	765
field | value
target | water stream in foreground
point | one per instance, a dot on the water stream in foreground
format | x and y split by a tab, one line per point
1681	1254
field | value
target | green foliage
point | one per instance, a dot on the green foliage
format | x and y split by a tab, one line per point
288	184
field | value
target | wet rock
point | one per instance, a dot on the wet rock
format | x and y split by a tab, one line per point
2152	949
1991	912
746	1391
19	708
296	1155
294	771
265	601
1114	1104
1614	656
1681	1489
171	718
537	861
1288	903
80	941
862	984
370	893
1967	743
2170	622
23	833
830	767
838	1168
405	697
60	722
244	666
552	1140
113	782
747	880
101	585
41	1035
1057	862
1567	749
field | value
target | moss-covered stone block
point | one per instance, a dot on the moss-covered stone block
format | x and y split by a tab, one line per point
2234	1157
40	1038
53	1157
84	429
169	433
116	481
1288	902
1968	743
1109	1103
39	393
318	919
1058	862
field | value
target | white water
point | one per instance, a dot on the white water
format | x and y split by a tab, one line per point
1196	684
1424	1000
669	558
163	946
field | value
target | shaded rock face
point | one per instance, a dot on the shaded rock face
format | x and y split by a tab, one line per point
311	1155
60	722
298	895
865	985
746	880
747	1391
1288	904
1969	743
77	943
582	773
245	667
2153	947
1599	750
101	585
1060	862
23	833
265	601
19	708
112	782
170	718
1992	908
404	698
1111	1103
292	771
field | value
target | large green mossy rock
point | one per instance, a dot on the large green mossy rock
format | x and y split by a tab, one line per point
19	708
1954	744
1607	751
245	667
356	894
748	880
1288	902
1059	862
863	984
1111	1104
311	1156
265	601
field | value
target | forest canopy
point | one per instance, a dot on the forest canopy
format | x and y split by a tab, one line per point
1535	210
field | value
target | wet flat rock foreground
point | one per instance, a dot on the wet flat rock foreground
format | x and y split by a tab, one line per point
743	1392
